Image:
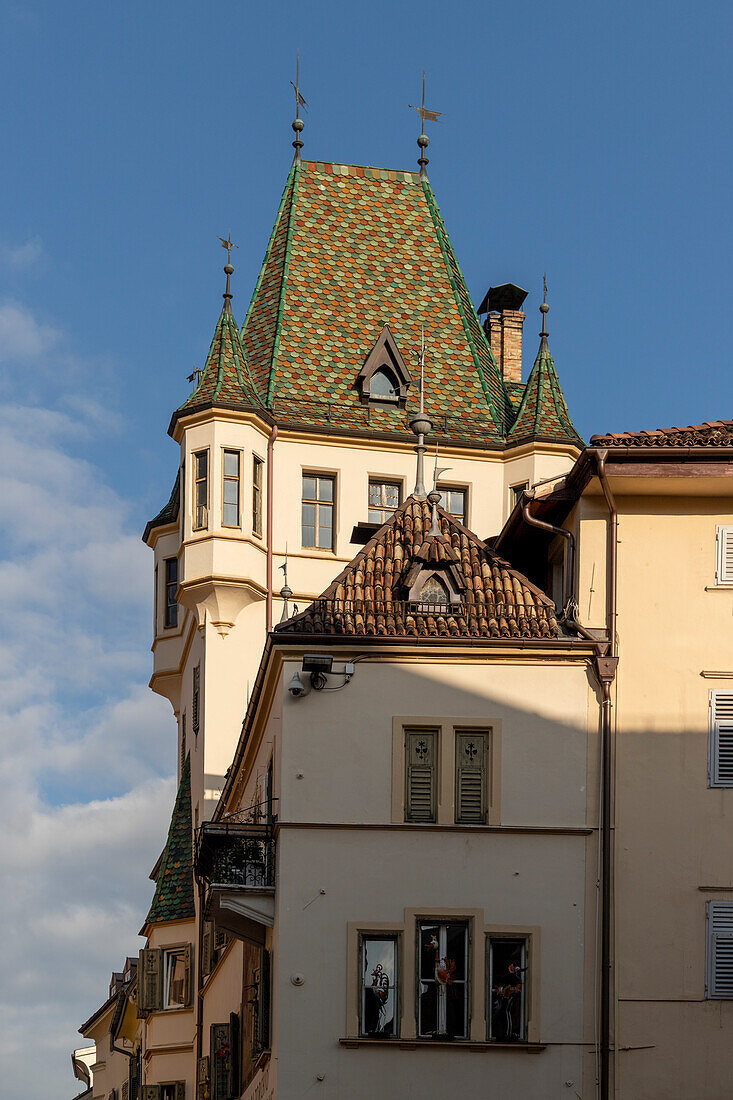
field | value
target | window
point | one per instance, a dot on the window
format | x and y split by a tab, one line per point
724	555
471	787
442	988
257	468
507	989
171	584
515	492
378	1004
155	602
719	983
720	768
223	1059
175	977
195	702
384	386
434	592
182	759
230	489
453	501
201	490
174	1091
421	754
384	497
318	494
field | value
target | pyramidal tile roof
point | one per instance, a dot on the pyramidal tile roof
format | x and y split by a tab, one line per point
542	412
173	898
354	249
715	433
488	598
225	378
169	512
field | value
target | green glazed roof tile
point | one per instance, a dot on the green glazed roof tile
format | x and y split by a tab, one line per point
173	898
542	412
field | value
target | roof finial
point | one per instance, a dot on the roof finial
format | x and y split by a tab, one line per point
423	140
298	123
285	592
544	308
435	494
421	425
228	270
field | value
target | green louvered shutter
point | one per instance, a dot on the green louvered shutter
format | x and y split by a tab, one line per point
150	970
234	1083
207	949
151	1092
220	1061
179	1092
188	983
471	757
420	771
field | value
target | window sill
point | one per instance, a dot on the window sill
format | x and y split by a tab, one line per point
719	587
442	1044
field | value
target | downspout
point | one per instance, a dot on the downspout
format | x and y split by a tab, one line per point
569	552
606	668
270	514
200	981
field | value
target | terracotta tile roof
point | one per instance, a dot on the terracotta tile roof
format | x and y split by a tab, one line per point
225	378
169	512
715	433
370	597
542	411
173	898
354	249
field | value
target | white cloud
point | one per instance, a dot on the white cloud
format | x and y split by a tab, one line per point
22	336
22	257
86	747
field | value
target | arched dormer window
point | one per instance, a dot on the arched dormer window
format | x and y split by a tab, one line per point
384	376
384	386
434	591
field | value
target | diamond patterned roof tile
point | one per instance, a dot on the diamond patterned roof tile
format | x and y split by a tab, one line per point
542	412
173	898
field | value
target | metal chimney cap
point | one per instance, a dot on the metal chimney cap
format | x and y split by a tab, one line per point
499	298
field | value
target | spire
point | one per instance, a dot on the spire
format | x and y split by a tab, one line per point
543	412
423	140
298	123
421	425
173	898
286	591
228	270
434	496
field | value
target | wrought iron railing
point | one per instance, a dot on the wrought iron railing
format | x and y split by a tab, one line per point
235	855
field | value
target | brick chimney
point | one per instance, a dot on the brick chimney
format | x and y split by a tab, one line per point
503	326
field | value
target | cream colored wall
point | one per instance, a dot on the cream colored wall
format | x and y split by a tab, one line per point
673	834
110	1070
168	1051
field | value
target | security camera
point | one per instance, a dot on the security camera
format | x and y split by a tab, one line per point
297	688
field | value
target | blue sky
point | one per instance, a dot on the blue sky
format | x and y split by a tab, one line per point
591	141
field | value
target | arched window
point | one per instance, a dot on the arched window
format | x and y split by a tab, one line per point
434	591
384	385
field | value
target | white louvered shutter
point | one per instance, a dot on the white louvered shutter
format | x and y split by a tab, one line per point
420	746
471	758
724	555
720	950
721	739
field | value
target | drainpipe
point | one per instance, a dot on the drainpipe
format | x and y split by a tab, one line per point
569	553
606	669
200	980
270	513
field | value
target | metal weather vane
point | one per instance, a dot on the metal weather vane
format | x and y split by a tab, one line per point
423	140
300	101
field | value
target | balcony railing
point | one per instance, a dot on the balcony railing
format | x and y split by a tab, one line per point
231	855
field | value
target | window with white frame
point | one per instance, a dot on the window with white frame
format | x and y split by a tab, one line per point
200	490
384	498
724	554
378	994
515	492
175	978
720	752
232	461
317	511
453	501
257	468
719	978
171	586
506	1012
442	981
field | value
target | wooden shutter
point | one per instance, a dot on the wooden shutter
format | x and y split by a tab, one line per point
150	992
219	1061
724	555
720	950
207	949
203	1074
151	1092
721	739
179	1091
421	751
188	965
195	718
263	1003
471	761
234	1083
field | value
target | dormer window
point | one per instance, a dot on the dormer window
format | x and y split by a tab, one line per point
434	591
384	378
384	386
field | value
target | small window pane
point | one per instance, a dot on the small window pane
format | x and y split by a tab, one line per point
202	464
231	463
201	493
383	384
309	488
325	488
325	539
309	515
230	515
379	983
175	979
231	491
